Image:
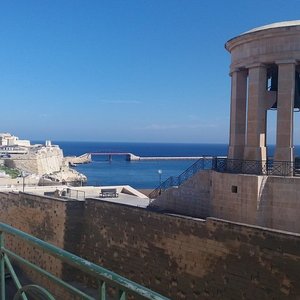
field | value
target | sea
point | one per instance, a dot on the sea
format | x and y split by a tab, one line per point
139	174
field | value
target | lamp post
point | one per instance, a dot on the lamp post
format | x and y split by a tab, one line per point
24	174
159	175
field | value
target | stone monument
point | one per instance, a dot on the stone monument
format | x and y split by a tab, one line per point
265	74
248	186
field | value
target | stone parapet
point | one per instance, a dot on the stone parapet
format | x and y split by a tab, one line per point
198	259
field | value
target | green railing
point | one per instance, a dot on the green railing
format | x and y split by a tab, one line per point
105	277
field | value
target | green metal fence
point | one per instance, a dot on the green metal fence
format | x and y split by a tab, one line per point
105	277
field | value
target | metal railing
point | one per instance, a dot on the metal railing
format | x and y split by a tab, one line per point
255	167
204	163
235	166
105	277
75	194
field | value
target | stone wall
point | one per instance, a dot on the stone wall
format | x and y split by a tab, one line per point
192	258
46	218
49	160
180	257
238	205
30	180
280	203
269	201
43	160
191	198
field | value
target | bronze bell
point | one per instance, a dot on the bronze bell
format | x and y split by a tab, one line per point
297	91
272	85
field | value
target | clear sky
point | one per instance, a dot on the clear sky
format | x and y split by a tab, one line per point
123	70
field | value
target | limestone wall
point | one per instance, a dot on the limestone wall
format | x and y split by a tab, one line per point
269	201
183	258
49	160
30	180
191	258
239	206
191	198
45	218
42	160
280	203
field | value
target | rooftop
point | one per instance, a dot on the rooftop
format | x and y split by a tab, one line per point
126	194
265	27
274	25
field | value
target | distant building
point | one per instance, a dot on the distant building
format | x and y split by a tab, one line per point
6	139
37	159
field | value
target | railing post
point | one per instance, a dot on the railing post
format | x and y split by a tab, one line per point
214	163
122	295
102	290
2	266
121	285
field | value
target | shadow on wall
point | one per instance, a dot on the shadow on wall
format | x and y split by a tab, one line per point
192	198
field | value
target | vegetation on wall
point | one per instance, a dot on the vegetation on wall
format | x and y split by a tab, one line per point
13	173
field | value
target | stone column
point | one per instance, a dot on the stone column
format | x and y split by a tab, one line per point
238	114
285	111
255	148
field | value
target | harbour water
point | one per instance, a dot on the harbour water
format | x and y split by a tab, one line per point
139	174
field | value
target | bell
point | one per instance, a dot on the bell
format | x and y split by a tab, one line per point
273	78
297	91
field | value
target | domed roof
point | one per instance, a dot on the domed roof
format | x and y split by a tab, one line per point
275	25
261	28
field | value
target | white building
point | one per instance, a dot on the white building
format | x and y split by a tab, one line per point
6	139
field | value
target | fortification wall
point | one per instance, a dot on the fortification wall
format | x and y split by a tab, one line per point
49	160
269	201
39	161
28	181
26	163
183	258
191	198
280	203
192	258
46	218
234	197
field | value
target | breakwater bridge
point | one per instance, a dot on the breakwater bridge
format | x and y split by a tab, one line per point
132	157
129	156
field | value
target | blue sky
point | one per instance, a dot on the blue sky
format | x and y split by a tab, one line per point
123	70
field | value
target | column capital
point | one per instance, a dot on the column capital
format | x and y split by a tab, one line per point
236	70
285	61
256	65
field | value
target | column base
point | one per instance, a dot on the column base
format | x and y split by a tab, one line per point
284	154
255	160
236	152
283	163
255	153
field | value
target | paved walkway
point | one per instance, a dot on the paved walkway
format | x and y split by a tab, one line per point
127	200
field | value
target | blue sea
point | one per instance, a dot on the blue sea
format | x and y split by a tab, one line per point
138	174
